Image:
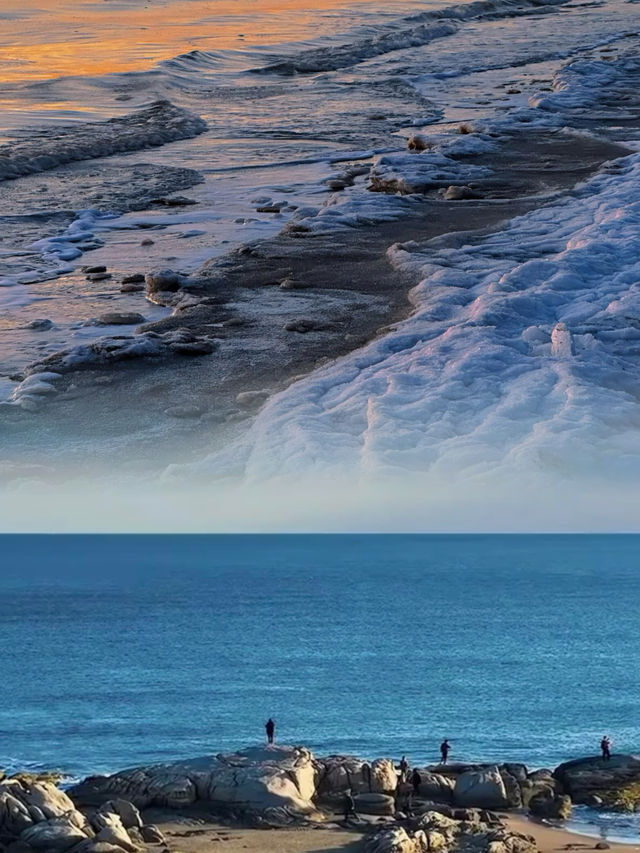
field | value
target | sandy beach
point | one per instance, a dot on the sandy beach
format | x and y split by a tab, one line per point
199	835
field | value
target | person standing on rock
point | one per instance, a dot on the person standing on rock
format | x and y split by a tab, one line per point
416	781
404	769
605	746
445	748
270	727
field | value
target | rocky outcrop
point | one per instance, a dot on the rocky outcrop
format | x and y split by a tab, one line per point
435	832
255	778
487	789
38	816
339	773
395	839
616	782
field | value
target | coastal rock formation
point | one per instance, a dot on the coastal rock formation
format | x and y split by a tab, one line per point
339	773
39	816
435	832
616	782
255	779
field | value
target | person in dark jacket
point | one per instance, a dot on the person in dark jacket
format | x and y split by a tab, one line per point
404	769
416	781
445	748
605	746
270	727
349	806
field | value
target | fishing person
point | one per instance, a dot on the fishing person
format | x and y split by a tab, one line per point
270	727
445	749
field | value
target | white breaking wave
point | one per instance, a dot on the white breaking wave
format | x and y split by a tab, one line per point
416	31
155	125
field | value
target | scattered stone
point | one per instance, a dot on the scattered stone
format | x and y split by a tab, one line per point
336	185
163	280
147	242
134	278
40	325
271	208
251	399
514	91
417	143
174	201
132	288
94	269
301	325
98	276
151	834
184	413
291	284
202	347
602	845
459	193
116	318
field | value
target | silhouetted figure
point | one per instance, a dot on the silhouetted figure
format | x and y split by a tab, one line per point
416	781
349	806
445	748
270	727
404	769
605	746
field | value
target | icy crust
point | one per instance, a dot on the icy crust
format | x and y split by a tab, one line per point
587	82
522	354
418	30
418	172
157	124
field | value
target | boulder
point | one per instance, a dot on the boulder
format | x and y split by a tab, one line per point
615	780
550	806
151	834
56	834
518	771
126	811
380	804
339	773
110	829
436	787
163	280
120	318
14	816
483	789
512	789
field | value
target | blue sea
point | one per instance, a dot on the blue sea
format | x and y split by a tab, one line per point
119	650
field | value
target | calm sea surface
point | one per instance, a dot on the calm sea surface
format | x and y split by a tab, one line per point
119	650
